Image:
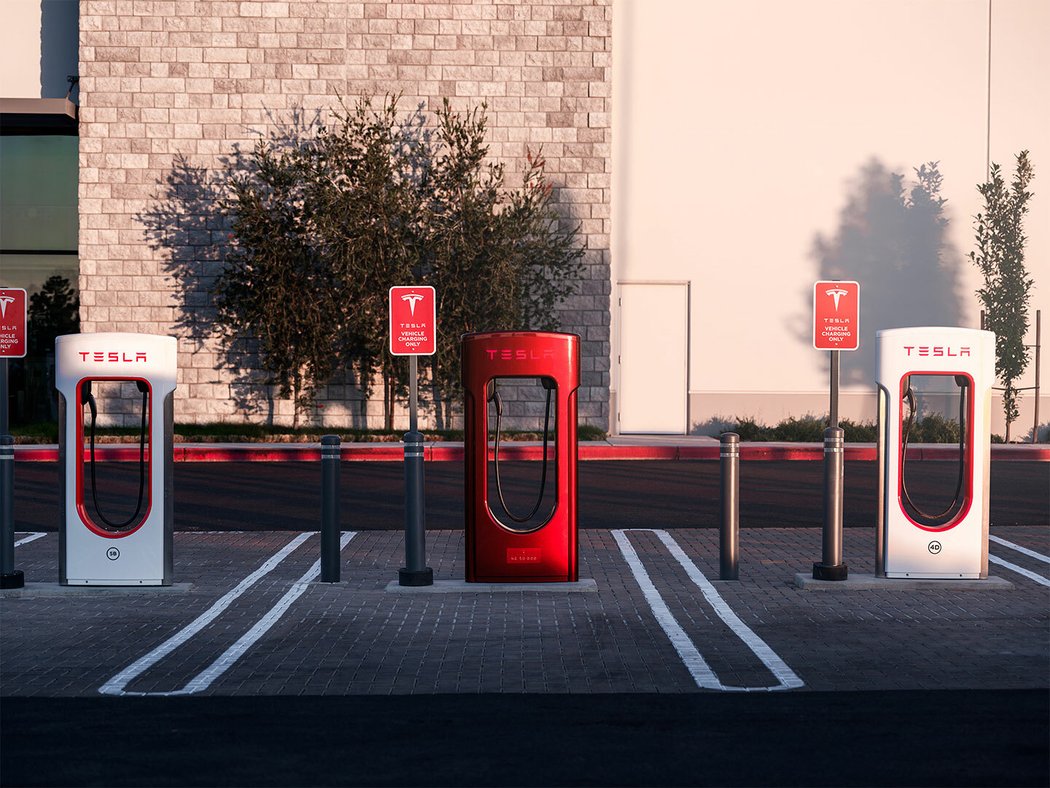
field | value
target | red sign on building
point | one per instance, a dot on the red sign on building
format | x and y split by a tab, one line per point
12	322
413	321
836	315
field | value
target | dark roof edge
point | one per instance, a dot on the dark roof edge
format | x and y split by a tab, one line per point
38	116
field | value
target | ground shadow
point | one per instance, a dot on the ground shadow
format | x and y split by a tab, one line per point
893	240
59	31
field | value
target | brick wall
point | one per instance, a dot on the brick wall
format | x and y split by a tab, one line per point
168	87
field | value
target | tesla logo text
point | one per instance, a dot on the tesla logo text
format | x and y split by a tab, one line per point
523	555
111	356
518	354
936	350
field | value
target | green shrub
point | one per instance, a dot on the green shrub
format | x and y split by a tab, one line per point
934	428
750	430
858	433
807	429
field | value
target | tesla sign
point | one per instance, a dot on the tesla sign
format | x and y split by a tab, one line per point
413	321
12	323
836	315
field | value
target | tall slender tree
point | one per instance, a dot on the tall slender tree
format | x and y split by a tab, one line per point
1007	286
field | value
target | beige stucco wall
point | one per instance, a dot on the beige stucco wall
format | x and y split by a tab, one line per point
743	135
162	79
20	75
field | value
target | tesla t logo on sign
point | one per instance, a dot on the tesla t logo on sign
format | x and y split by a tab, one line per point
413	321
12	323
836	315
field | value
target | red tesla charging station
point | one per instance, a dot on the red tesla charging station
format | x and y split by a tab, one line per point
530	549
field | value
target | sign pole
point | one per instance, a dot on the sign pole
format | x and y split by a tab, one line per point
413	316
415	572
413	394
836	327
833	416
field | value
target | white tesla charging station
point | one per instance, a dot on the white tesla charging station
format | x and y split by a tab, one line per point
109	535
922	369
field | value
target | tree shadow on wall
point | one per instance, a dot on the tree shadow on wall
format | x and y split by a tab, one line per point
186	224
893	240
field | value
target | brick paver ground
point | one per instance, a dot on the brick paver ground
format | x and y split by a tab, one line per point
357	637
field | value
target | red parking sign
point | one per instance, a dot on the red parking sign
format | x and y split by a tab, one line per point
413	321
12	322
836	315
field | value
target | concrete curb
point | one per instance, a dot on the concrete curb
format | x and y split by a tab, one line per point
590	450
862	582
463	587
53	589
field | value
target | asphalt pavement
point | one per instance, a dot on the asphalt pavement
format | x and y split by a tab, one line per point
248	671
612	494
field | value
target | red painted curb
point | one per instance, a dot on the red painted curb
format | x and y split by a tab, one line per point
453	452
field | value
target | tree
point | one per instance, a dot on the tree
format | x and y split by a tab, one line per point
53	312
326	218
498	259
1007	284
277	287
367	204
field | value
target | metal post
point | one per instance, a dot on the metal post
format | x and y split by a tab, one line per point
729	533
415	572
330	459
1035	420
5	398
880	464
9	576
833	417
831	567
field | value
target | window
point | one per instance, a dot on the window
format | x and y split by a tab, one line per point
38	246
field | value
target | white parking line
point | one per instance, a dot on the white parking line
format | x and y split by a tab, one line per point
1020	570
1018	548
204	679
28	539
694	661
115	686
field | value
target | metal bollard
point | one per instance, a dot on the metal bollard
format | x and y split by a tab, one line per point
729	531
9	576
330	458
415	572
831	566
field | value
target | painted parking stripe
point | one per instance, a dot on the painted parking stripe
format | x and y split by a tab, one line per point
28	539
115	686
1020	570
1018	548
204	679
694	661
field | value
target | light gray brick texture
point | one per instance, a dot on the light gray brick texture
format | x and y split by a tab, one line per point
169	87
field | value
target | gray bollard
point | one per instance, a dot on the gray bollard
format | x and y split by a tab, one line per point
415	572
729	531
831	566
9	576
330	458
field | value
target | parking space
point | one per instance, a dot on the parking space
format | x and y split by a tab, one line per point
247	616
